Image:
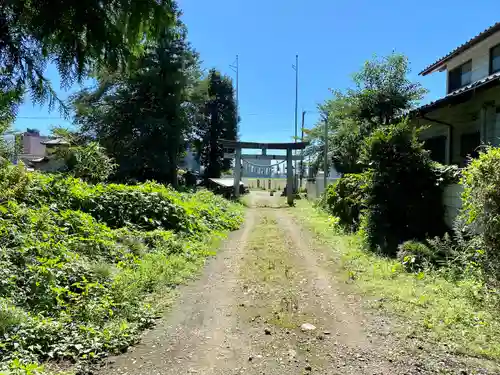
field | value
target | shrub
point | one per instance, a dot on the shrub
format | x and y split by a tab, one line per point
89	162
345	199
403	195
447	174
415	256
14	180
481	208
146	206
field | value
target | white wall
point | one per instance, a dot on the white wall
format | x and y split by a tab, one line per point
480	55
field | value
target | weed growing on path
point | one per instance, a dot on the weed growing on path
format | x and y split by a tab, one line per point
268	269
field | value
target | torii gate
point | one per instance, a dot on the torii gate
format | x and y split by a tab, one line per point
237	146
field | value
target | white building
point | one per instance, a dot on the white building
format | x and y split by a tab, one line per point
469	114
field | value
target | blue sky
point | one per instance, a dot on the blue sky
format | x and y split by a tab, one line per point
332	39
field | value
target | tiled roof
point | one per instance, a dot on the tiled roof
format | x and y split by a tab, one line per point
492	79
55	142
471	42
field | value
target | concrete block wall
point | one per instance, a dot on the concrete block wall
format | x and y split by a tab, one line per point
452	202
316	187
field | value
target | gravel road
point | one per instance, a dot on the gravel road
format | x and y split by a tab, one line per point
269	303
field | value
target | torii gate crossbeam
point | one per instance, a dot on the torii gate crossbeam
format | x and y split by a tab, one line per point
289	147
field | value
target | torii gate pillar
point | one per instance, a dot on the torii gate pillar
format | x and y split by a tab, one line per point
237	171
289	177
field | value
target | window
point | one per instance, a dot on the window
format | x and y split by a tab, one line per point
460	76
437	148
495	59
469	144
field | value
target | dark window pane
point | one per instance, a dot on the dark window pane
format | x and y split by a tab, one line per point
437	148
466	73
495	59
469	144
460	76
467	67
454	79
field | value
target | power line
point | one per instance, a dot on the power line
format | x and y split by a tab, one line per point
40	118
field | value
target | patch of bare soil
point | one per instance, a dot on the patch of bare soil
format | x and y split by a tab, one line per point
269	304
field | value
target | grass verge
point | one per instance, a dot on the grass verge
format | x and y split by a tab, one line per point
457	315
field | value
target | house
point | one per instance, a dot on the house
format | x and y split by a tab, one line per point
49	162
31	145
469	114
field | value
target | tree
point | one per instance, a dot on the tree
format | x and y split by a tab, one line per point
382	93
142	118
403	194
220	122
10	145
74	137
77	35
383	90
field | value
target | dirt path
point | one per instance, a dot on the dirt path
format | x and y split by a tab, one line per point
244	315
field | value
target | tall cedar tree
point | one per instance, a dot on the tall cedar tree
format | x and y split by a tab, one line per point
142	118
76	35
221	122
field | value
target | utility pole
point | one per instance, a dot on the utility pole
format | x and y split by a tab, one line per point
302	151
296	68
325	161
235	67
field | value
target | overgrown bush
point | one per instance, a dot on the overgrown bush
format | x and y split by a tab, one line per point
78	261
89	162
415	256
345	199
146	206
14	181
403	194
447	174
481	209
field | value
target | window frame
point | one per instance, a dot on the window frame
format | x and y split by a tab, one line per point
472	153
491	59
461	74
436	141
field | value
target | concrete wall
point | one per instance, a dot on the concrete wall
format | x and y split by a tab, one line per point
452	202
316	187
